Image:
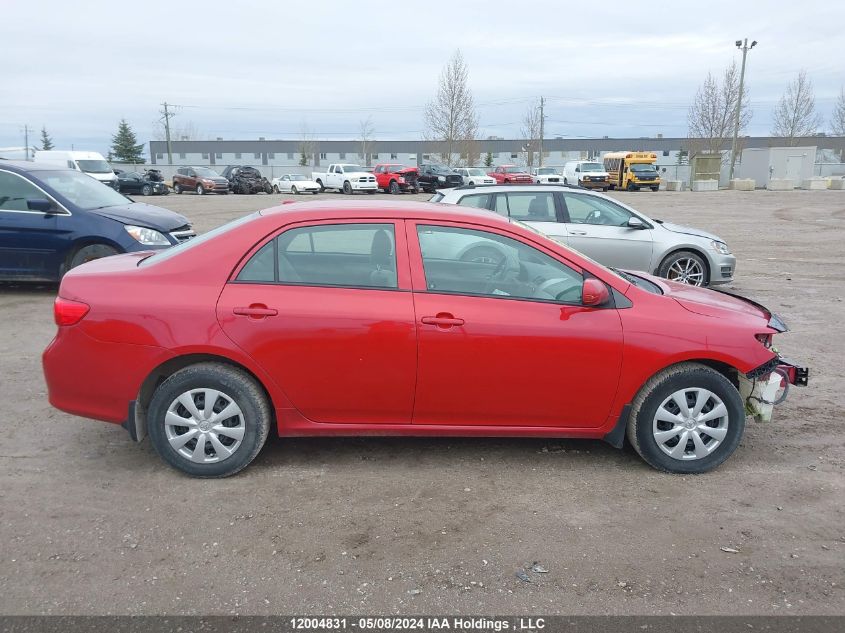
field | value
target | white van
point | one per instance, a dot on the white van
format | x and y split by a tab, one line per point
92	163
586	173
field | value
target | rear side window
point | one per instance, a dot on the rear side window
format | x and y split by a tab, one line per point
344	255
476	200
532	206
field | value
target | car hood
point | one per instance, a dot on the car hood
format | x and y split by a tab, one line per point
687	230
144	215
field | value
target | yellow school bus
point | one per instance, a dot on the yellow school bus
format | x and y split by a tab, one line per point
632	170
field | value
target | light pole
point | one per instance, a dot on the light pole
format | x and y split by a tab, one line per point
744	47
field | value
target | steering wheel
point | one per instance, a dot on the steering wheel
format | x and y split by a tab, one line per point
499	273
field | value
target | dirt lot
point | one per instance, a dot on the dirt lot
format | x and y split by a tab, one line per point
93	524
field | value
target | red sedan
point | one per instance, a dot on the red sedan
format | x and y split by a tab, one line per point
405	319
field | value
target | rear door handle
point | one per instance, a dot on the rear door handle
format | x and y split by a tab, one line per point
256	311
443	319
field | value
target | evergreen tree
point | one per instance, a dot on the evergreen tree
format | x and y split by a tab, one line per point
488	160
46	141
124	146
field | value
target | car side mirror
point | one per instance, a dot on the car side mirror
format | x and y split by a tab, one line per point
635	223
40	204
594	292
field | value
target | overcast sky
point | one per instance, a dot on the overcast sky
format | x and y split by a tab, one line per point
248	69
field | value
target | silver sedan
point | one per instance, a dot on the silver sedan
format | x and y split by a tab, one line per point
606	230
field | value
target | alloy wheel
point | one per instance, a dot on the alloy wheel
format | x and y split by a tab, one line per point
686	271
204	426
690	424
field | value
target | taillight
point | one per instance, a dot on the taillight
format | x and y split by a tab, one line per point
67	312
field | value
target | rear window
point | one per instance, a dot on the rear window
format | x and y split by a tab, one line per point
173	251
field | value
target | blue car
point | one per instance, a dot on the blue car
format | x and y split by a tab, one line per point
53	219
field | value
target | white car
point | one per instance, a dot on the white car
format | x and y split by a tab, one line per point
586	173
475	176
295	183
545	175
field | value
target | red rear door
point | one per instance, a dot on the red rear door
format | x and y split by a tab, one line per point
326	310
505	341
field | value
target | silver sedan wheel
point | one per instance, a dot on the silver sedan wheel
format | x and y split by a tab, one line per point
686	271
690	424
204	426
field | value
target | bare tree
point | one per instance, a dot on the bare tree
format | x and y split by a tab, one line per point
450	119
307	145
365	135
795	115
530	133
837	121
712	115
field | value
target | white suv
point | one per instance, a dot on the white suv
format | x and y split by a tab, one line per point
603	228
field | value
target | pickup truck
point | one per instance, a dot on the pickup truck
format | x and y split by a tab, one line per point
346	178
394	178
510	173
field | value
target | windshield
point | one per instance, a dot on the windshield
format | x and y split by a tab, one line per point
350	168
440	169
82	190
204	172
94	166
513	170
546	170
475	171
591	167
297	177
642	167
392	169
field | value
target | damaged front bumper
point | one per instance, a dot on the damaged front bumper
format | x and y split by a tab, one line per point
768	385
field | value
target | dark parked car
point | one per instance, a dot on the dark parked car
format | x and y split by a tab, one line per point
245	179
53	219
433	177
149	183
200	179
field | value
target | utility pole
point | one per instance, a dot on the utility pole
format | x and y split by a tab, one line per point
26	141
744	47
542	128
167	114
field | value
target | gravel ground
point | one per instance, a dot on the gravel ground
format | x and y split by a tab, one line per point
91	523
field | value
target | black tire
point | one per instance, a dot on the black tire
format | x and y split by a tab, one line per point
89	253
632	187
275	188
372	193
665	269
237	385
655	188
293	190
604	189
394	187
322	188
565	181
146	190
177	188
200	190
245	189
640	430
347	188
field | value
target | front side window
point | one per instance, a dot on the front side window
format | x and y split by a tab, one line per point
341	255
532	207
479	263
591	210
15	191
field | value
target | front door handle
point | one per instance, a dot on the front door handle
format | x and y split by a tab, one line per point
443	320
577	232
256	311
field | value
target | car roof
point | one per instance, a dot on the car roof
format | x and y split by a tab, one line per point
24	166
467	189
329	210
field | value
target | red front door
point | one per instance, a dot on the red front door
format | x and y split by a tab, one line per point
488	356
